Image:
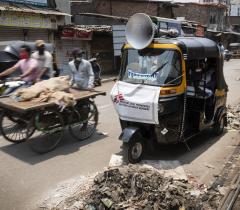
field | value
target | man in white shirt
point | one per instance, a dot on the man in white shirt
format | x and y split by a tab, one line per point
45	60
81	70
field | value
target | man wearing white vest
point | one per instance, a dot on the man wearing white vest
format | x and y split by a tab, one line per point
82	73
44	59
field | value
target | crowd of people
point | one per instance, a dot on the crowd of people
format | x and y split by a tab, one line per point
38	66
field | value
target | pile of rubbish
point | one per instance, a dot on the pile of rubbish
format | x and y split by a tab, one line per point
55	89
233	116
135	187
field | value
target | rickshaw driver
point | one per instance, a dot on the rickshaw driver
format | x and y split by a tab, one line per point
81	70
28	67
169	68
82	78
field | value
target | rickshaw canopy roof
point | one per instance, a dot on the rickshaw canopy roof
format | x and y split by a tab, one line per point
194	47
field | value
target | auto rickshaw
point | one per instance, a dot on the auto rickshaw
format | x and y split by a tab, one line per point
170	88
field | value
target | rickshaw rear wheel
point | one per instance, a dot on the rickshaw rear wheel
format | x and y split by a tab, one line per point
50	129
218	127
15	129
133	150
83	128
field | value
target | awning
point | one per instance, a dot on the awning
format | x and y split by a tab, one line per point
93	28
84	32
13	7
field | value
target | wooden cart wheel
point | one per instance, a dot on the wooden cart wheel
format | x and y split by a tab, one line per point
15	128
50	129
82	125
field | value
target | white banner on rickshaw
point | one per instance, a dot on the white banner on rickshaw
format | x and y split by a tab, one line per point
136	102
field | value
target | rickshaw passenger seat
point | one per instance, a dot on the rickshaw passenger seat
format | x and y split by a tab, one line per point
197	87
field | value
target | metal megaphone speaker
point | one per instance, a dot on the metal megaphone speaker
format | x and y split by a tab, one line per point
140	31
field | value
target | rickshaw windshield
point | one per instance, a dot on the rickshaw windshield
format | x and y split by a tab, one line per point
158	67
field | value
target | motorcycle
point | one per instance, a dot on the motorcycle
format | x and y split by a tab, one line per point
227	55
97	71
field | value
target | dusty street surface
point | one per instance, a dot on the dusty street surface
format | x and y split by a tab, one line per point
26	177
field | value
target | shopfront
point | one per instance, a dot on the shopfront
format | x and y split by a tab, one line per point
28	23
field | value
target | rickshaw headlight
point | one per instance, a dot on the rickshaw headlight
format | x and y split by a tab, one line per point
160	108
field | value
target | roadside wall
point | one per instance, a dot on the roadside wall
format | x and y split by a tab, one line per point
235	20
92	20
64	6
122	8
210	16
213	16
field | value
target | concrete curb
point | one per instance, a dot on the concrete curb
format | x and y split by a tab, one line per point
109	79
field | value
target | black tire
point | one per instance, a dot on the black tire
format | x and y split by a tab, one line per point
15	129
83	129
133	151
50	129
218	127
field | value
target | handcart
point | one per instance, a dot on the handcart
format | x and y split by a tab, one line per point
42	124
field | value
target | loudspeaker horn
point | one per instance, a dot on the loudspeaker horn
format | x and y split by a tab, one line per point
140	31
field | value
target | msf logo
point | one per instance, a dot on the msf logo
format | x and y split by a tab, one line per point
118	98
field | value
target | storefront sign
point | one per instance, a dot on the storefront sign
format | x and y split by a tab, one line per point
33	2
26	20
71	33
68	33
137	103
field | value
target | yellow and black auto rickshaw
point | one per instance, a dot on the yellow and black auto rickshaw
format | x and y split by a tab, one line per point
169	88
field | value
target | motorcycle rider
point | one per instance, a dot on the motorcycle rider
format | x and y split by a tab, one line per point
28	67
45	60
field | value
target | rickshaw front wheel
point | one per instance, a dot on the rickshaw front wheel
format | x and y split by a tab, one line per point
133	150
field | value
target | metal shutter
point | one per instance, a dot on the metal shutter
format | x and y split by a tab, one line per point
36	34
10	34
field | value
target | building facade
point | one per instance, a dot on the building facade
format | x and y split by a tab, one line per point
29	20
93	40
211	15
234	14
